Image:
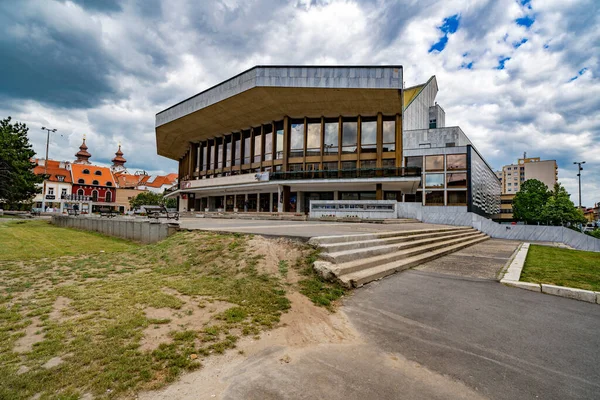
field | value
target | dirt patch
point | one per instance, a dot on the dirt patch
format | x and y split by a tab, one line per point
302	327
61	304
53	362
32	336
193	315
274	251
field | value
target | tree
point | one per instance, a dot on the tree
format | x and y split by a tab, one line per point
171	202
17	180
146	199
529	202
559	209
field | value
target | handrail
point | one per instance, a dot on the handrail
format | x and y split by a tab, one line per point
347	173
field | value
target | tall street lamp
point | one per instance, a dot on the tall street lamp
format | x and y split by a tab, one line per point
46	166
579	176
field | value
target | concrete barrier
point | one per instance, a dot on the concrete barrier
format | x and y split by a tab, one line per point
138	230
459	216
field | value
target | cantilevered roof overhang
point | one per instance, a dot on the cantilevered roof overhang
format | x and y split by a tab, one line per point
267	93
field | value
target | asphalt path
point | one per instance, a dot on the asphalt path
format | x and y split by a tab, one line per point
504	343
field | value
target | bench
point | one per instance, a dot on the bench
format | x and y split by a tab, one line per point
157	212
36	212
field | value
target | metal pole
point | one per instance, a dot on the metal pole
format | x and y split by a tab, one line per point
46	167
580	168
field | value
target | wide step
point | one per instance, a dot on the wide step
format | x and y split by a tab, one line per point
359	278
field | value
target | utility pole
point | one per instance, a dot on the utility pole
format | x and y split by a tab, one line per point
46	166
579	176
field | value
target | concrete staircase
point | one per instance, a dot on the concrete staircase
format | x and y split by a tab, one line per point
355	260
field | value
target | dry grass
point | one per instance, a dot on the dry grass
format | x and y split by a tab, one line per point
90	313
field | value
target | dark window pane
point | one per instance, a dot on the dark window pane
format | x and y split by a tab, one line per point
414	198
279	140
366	164
349	136
331	137
457	180
456	161
295	167
313	139
204	157
434	180
228	152
389	135
268	132
296	139
457	197
434	197
434	163
238	149
257	145
389	163
414	161
247	148
219	163
368	134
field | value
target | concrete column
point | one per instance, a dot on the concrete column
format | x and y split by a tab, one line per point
257	202
224	203
279	198
234	200
379	191
336	195
270	202
245	202
300	202
62	206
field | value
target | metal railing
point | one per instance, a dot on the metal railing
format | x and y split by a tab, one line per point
387	172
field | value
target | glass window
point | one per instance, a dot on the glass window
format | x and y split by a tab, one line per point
98	172
330	166
457	180
268	133
247	148
228	151
434	180
279	140
257	145
95	182
350	195
348	164
204	157
434	197
297	138
368	164
414	198
434	163
368	135
388	163
414	162
295	167
349	135
456	197
313	139
456	161
331	136
86	171
389	134
219	163
237	153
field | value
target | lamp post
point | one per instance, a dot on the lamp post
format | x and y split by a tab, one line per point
48	130
579	176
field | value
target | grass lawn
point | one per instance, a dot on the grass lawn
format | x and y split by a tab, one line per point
134	317
25	240
562	267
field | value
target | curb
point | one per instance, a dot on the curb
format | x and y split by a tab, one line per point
513	274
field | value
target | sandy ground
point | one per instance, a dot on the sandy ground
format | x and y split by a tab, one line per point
313	354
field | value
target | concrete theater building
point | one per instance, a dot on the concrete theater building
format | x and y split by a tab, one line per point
273	138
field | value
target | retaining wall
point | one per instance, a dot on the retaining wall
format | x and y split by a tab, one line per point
140	231
529	233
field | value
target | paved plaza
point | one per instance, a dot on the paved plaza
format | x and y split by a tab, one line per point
296	229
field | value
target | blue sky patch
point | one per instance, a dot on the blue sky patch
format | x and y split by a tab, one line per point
525	21
467	65
516	45
526	3
581	72
449	26
501	62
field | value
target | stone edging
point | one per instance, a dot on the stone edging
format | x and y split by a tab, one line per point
513	274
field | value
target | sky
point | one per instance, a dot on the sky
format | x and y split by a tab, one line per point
516	75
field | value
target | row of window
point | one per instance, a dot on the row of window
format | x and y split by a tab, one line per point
94	182
436	162
107	196
308	137
87	172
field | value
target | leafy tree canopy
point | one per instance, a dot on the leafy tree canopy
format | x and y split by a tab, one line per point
529	202
17	180
559	209
151	199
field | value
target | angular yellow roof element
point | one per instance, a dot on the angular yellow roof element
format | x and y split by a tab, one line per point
411	93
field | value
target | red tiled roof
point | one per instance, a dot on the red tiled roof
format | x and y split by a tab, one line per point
162	180
104	177
128	180
53	169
